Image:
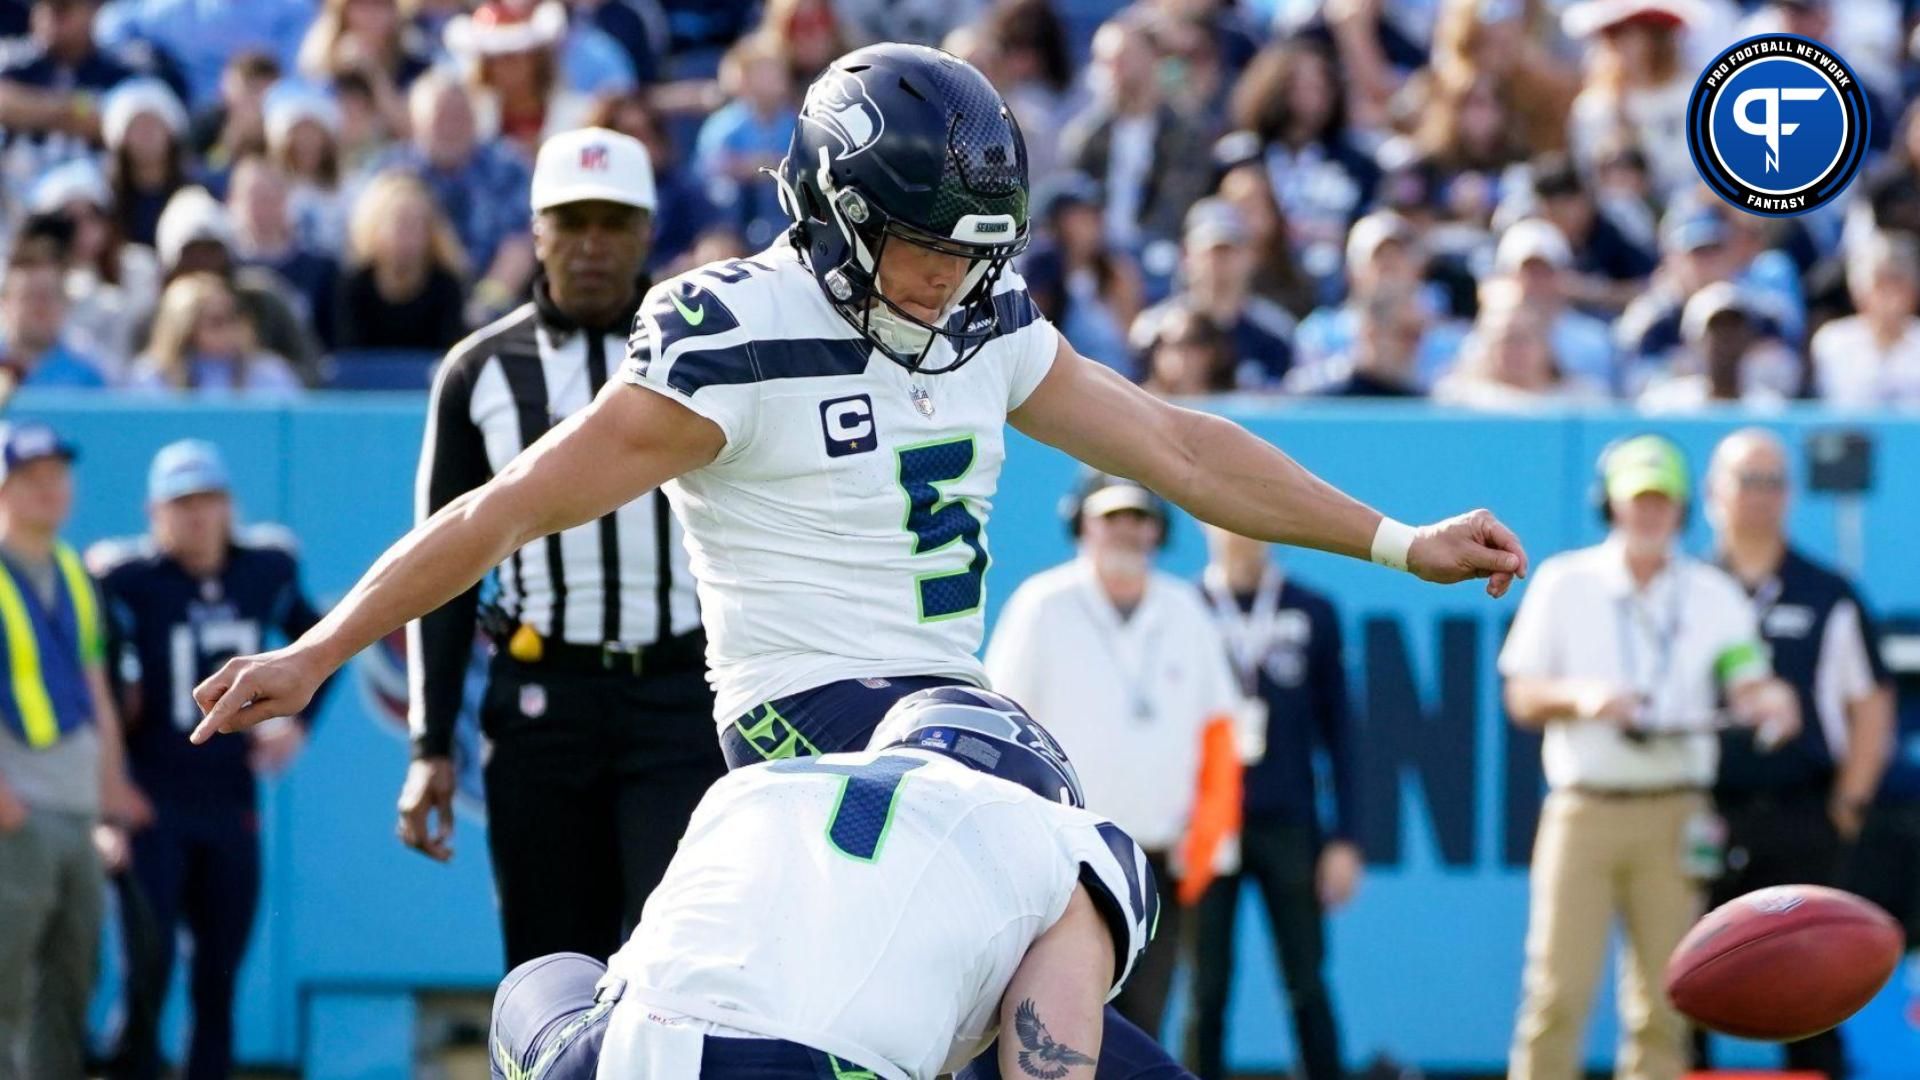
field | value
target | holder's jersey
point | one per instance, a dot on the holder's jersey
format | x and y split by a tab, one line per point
841	532
873	906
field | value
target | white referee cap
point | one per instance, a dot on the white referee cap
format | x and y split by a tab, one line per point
593	164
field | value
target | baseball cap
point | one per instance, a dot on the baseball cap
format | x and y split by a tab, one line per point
187	467
1646	464
1589	17
1692	227
1063	192
1113	495
192	215
138	97
29	441
1719	298
1377	228
1532	238
593	164
1212	221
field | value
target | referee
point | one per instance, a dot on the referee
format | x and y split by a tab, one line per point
1790	813
596	700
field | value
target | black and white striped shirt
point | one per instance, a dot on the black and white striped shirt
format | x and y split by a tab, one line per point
621	579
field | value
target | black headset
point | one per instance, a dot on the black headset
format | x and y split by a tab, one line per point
1604	506
1091	482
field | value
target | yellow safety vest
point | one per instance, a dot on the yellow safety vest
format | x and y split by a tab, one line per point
27	675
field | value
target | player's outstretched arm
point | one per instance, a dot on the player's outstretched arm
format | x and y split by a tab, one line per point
1223	474
629	441
1051	1016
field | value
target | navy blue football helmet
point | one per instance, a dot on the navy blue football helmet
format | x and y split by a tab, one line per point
903	143
984	731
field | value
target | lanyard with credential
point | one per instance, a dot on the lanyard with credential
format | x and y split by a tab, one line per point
1135	675
1250	633
1665	635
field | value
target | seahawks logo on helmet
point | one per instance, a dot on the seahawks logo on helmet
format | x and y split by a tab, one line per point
839	105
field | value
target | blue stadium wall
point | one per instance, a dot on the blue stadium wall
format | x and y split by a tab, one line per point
1426	963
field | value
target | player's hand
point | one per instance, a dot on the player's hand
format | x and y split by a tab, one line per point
123	804
250	690
1337	877
1472	545
275	745
111	844
13	812
428	791
1604	701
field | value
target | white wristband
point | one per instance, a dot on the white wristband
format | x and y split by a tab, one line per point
1391	542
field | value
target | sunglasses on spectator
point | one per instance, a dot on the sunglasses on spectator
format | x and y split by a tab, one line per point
1762	481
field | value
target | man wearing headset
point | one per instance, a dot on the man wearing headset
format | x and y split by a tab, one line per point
1129	669
1629	656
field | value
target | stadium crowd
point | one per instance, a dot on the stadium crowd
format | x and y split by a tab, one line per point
1488	202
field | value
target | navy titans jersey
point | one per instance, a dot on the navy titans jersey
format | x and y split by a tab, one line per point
169	630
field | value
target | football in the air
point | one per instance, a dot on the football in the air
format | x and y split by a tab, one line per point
1783	963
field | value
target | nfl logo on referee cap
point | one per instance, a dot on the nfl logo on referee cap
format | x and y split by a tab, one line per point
1777	125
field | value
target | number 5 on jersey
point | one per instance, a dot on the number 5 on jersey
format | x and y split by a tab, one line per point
937	524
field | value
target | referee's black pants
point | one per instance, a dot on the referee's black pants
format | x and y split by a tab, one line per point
1781	838
590	784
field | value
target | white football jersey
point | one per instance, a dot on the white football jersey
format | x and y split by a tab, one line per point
873	906
842	532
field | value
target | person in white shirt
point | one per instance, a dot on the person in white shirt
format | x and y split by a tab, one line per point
1130	673
1872	359
1627	654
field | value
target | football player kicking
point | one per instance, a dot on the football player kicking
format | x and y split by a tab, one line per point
829	418
863	915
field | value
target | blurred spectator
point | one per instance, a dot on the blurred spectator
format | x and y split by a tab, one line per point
749	133
197	234
1383	251
1636	86
1383	360
33	316
1535	256
1510	360
1195	73
1081	284
1128	664
203	34
202	343
1610	267
1767	274
1469	139
809	35
303	128
264	235
615	46
61	765
684	212
1792	807
510	53
1728	357
1283	640
111	284
1188	355
50	89
364	129
480	185
1277	275
1151	162
144	127
1035	75
402	285
1696	247
866	22
237	124
1500	43
371	39
1623	653
1290	99
1872	359
1216	279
